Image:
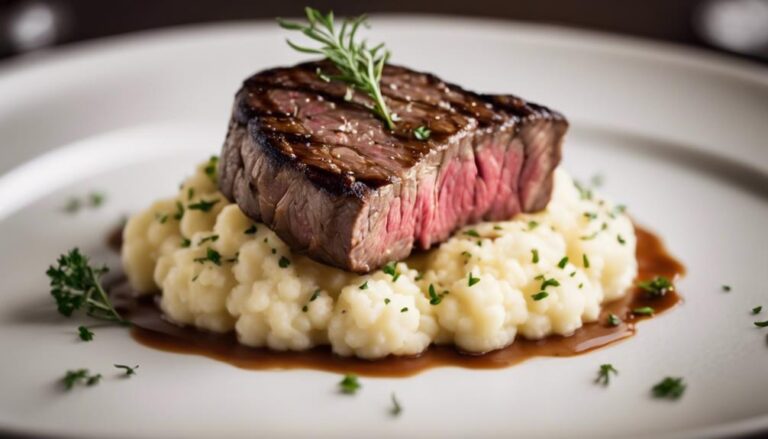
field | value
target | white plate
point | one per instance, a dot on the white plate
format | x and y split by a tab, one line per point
679	136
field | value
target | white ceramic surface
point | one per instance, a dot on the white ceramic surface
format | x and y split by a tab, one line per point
679	137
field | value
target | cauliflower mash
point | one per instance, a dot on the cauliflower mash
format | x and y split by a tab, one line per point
537	275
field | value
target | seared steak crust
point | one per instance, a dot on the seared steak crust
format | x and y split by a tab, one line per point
309	159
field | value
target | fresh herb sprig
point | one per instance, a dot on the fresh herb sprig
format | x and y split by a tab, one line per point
604	374
357	65
76	285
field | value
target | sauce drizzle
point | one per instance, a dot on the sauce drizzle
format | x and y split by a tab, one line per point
152	330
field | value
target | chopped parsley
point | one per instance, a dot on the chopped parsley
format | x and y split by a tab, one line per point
657	287
585	193
532	224
391	269
84	333
472	280
251	230
643	311
497	227
763	324
590	215
386	301
434	298
364	286
202	205
548	283
75	285
129	371
563	262
79	376
604	374
473	233
540	295
284	262
613	320
535	256
179	211
585	259
396	408
405	309
162	218
621	239
349	384
190	193
185	243
210	255
212	238
422	132
211	168
726	288
589	237
669	388
96	199
757	309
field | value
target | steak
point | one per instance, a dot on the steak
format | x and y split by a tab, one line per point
308	158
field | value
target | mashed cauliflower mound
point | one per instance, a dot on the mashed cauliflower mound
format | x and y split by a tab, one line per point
219	271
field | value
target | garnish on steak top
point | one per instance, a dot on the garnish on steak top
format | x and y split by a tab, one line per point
310	160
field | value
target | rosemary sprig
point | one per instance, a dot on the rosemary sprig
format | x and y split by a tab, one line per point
359	66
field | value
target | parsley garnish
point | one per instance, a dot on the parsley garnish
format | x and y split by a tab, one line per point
211	168
422	132
162	218
614	320
396	409
84	333
358	66
179	211
349	385
548	282
604	374
563	262
657	287
203	205
212	238
75	284
535	256
757	309
128	369
391	269
185	243
762	324
726	288
584	192
473	233
540	295
644	311
434	298
210	255
620	239
532	224
386	301
251	230
585	259
670	388
364	286
284	262
472	280
96	199
73	377
590	215
404	309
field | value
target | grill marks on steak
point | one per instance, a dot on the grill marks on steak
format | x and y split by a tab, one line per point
315	164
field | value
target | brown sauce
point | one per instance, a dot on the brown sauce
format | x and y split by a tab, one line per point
152	330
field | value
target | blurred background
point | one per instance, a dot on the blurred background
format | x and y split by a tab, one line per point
735	27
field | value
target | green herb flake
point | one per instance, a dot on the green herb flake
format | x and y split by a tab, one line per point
434	298
498	228
391	269
762	324
396	408
727	288
585	260
532	224
190	193
364	286
549	283
621	239
185	243
613	320
541	295
349	384
79	376
210	255
128	371
211	168
669	388
584	192
96	199
179	211
563	262
472	280
84	333
284	262
535	256
405	309
757	309
472	232
422	132
212	238
203	206
162	218
386	301
604	374
657	287
251	230
643	311
590	215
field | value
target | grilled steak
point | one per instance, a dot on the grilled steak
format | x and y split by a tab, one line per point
309	159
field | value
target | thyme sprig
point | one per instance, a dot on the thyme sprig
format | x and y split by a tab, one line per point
358	66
